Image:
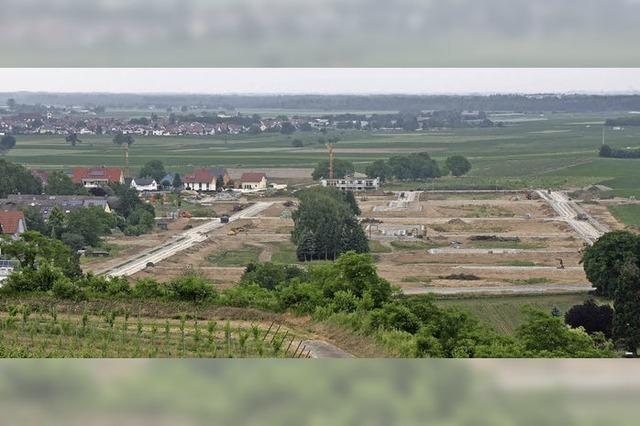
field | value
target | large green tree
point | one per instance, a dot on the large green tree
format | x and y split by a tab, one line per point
604	260
458	165
341	168
626	303
325	225
153	169
15	179
59	183
378	169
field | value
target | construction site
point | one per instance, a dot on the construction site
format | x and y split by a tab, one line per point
443	242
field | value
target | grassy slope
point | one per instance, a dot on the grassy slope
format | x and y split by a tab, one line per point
504	313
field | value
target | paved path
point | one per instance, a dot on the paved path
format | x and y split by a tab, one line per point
178	243
589	230
519	268
502	290
322	349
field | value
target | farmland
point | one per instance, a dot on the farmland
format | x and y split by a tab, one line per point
558	150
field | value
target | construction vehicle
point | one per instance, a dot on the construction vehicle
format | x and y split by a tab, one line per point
224	218
582	216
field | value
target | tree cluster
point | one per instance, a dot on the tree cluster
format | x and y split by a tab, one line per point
341	168
410	167
612	265
607	152
16	179
326	225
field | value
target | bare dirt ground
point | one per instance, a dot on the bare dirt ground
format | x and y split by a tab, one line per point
451	222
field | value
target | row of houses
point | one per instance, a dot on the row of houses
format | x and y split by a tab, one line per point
201	179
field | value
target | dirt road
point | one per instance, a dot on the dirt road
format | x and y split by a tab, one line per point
178	243
589	230
322	349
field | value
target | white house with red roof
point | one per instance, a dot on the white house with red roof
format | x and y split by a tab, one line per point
253	181
12	223
94	177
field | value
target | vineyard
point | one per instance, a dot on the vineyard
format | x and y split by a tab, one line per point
44	333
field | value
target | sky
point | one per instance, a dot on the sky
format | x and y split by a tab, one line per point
322	80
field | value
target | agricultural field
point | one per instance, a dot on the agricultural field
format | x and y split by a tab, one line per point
555	150
119	334
504	314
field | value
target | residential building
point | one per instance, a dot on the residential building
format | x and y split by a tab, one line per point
253	181
45	203
200	180
144	184
95	177
354	184
12	223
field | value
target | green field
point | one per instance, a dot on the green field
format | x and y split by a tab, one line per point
629	214
558	150
504	314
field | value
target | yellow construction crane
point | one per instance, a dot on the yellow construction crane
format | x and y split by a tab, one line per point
330	149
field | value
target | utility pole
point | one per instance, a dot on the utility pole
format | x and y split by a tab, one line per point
603	135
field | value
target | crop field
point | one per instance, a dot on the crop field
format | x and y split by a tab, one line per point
629	214
504	314
115	334
552	150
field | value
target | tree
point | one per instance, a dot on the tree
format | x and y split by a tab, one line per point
73	139
297	143
378	169
91	223
591	317
59	183
605	151
11	103
153	169
341	168
543	335
56	222
604	260
34	220
458	165
7	142
15	179
325	225
177	181
626	302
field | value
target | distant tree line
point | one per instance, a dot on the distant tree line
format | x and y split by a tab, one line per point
417	167
607	152
623	121
512	102
326	224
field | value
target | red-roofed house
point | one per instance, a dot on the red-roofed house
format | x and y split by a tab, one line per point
12	223
200	180
93	177
253	181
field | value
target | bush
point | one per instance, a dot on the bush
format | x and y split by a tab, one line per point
249	295
191	288
427	345
30	279
591	317
148	288
393	316
344	301
64	288
118	287
269	275
302	298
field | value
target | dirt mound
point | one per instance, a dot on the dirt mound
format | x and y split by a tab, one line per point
457	221
493	238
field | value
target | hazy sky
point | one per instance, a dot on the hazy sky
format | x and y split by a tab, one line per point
321	80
